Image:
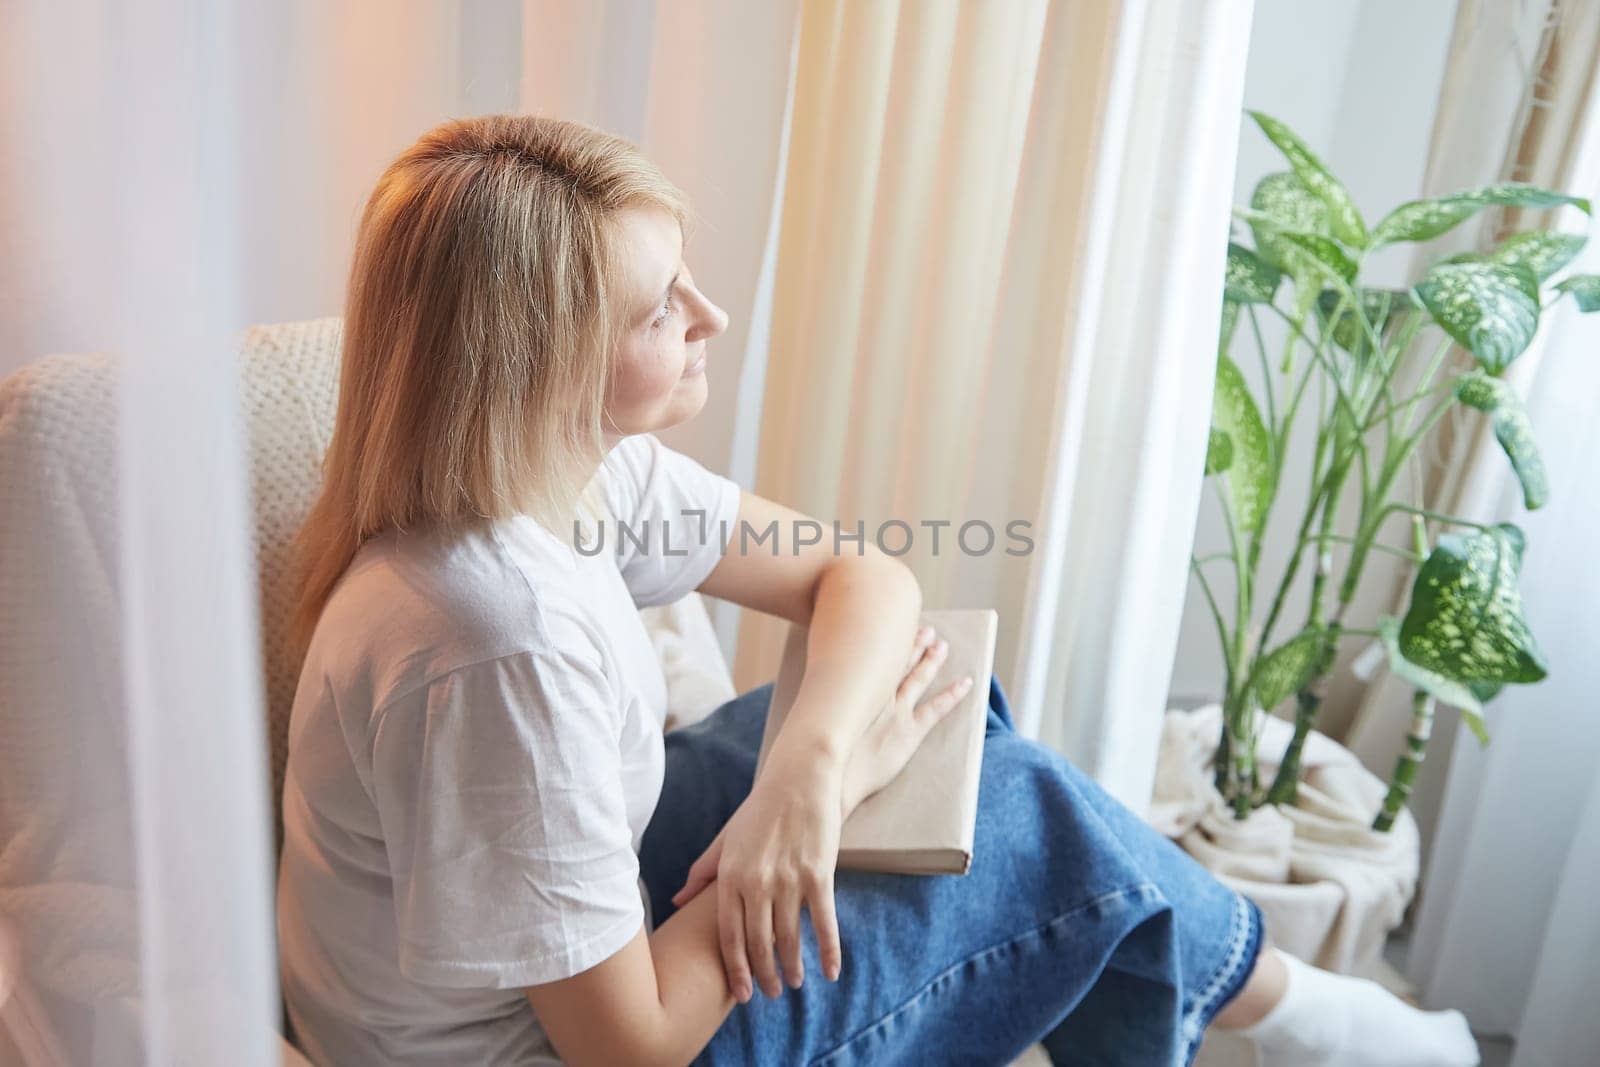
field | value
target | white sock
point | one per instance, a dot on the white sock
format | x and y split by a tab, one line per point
1332	1020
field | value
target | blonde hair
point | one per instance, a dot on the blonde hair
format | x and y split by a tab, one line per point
482	313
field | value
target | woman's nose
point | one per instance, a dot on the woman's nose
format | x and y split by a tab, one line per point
709	321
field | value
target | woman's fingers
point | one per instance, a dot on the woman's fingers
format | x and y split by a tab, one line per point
923	639
819	898
758	942
936	707
921	676
786	932
701	874
730	932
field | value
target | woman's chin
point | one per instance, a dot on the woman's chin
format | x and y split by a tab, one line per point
688	400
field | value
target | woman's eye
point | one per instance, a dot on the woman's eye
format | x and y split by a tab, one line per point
666	310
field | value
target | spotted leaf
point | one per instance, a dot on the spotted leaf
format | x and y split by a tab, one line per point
1219	452
1288	668
1511	428
1423	220
1250	279
1541	251
1344	221
1445	690
1282	204
1249	476
1585	289
1492	309
1465	619
1230	321
1324	254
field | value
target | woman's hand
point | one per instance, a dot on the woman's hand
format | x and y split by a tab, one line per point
774	856
900	728
779	850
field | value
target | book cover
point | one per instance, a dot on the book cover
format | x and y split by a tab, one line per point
922	822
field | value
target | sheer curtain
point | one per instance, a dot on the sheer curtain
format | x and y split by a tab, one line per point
1000	230
171	172
1011	213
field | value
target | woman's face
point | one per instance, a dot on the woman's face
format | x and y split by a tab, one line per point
659	375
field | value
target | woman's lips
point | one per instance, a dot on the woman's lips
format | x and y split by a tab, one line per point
696	367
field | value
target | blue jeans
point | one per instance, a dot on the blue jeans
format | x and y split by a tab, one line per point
1077	924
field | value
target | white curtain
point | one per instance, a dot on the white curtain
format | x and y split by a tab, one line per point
1021	202
1001	228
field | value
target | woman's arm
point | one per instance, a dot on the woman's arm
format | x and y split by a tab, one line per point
778	852
661	997
860	604
657	1001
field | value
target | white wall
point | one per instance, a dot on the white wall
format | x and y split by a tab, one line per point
1359	81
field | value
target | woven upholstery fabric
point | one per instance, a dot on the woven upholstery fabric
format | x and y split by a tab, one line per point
289	384
66	852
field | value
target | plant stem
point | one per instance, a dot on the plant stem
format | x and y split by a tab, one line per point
1405	768
1266	372
1224	763
1216	614
1436	516
1381	547
1434	363
1286	783
1405	405
1240	776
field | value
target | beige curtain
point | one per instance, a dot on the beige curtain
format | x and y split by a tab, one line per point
1001	229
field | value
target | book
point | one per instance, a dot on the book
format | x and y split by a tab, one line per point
923	821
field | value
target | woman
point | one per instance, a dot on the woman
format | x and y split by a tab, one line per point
491	853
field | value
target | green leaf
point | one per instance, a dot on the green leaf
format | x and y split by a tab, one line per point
1465	619
1286	669
1249	476
1492	309
1485	691
1476	724
1250	279
1230	320
1511	428
1323	253
1281	203
1344	221
1423	220
1219	452
1541	251
1445	690
1585	289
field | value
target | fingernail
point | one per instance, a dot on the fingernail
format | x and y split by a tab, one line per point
924	633
942	645
794	983
743	992
832	971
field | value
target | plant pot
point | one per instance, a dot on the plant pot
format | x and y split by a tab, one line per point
1330	888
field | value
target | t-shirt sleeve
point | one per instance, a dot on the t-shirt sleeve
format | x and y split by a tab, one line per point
499	791
673	519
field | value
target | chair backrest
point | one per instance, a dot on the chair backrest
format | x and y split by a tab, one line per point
289	386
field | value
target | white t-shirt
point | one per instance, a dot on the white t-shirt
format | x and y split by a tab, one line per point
474	752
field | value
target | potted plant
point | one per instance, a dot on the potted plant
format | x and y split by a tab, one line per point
1366	371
